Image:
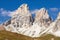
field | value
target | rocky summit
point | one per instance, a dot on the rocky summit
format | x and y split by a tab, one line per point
22	22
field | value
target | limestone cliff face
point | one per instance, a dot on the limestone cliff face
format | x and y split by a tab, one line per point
22	22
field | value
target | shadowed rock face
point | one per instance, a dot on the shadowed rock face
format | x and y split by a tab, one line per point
22	22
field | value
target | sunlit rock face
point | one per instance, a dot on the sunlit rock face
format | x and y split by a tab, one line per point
42	17
21	18
22	10
42	21
22	22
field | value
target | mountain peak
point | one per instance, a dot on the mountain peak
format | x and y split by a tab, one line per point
42	13
43	9
23	5
23	23
22	10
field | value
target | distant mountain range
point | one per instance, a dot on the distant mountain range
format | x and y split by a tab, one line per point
23	23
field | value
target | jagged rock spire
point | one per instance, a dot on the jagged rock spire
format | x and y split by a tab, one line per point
42	13
22	10
42	16
21	18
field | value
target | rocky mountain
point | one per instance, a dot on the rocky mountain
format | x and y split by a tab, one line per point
22	22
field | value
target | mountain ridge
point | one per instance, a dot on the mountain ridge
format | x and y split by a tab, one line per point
22	22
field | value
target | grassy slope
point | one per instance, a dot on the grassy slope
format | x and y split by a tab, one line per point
5	35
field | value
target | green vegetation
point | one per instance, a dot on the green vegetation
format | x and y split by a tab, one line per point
5	35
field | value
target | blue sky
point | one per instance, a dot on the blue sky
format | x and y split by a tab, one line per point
53	7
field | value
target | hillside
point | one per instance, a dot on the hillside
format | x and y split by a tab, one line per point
5	35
